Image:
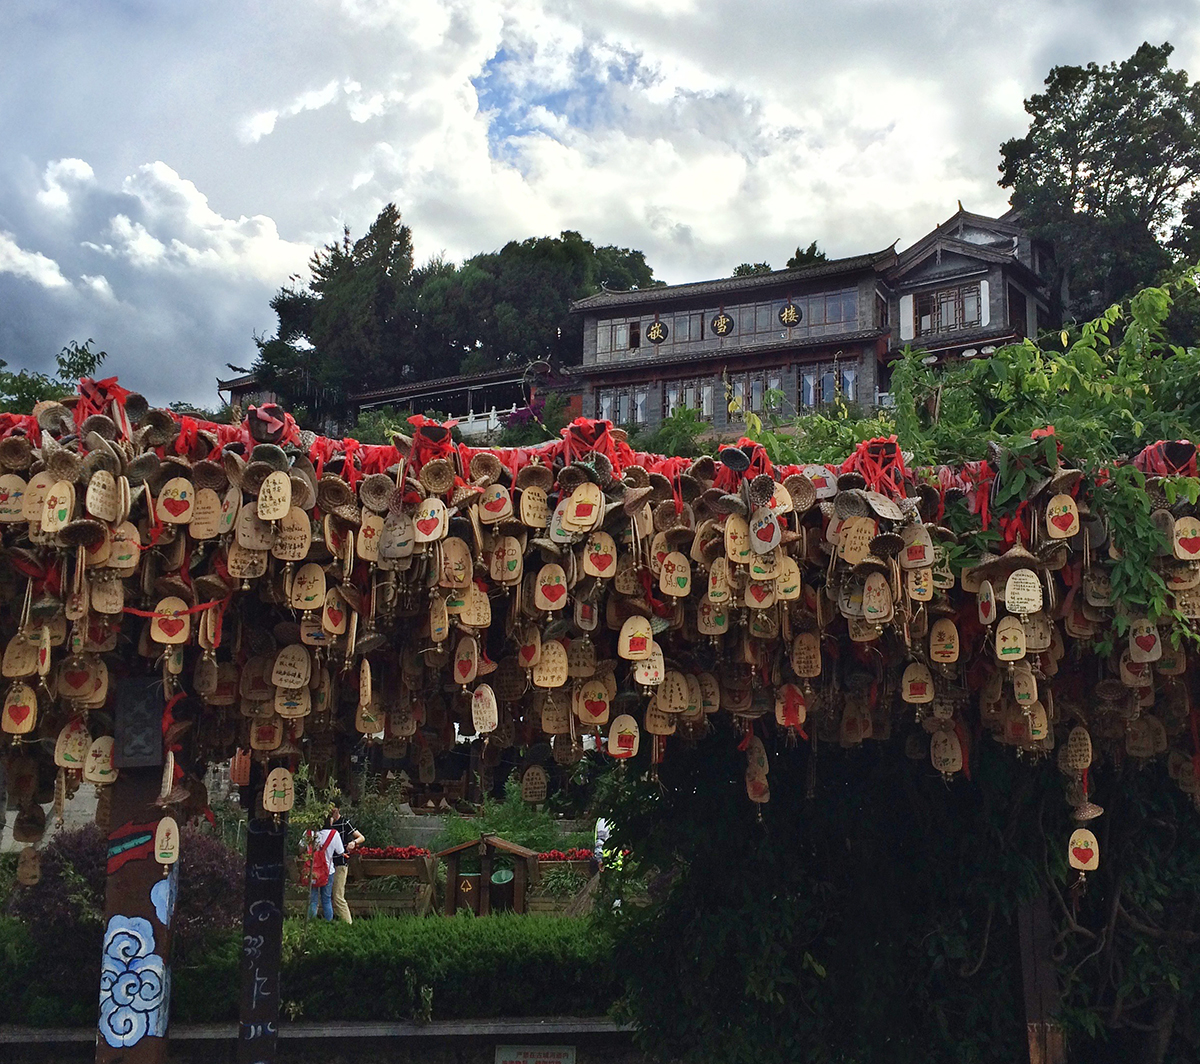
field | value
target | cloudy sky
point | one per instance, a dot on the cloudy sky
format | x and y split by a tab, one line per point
166	167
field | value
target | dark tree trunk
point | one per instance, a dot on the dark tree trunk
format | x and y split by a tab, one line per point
262	940
139	902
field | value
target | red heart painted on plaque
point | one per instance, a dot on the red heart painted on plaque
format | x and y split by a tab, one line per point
554	591
334	615
528	651
427	524
758	591
19	713
170	625
1190	544
1082	854
1063	521
3	496
595	706
661	557
464	666
766	533
175	506
1146	642
601	561
985	609
76	678
494	506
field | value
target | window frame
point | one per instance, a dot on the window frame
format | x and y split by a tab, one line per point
937	299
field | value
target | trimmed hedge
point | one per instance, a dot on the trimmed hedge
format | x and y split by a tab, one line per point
384	968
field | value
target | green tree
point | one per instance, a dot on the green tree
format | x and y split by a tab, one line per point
353	326
367	317
220	415
870	913
749	269
678	434
21	392
1111	157
512	307
806	256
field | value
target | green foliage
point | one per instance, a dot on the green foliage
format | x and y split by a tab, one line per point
1111	156
352	326
822	436
376	812
21	392
561	881
1130	965
871	922
219	415
368	318
511	819
378	425
875	919
384	968
1109	388
806	256
543	420
502	965
750	269
677	435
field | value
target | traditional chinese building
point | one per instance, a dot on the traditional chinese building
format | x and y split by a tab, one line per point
970	286
794	340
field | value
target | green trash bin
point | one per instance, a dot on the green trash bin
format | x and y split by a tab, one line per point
502	890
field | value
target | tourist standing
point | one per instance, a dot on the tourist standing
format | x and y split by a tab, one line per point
322	846
351	838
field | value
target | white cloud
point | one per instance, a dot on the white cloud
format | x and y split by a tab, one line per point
32	265
705	134
262	123
253	129
99	286
58	177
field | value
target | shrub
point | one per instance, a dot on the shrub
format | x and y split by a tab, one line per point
500	965
63	914
385	968
69	900
210	889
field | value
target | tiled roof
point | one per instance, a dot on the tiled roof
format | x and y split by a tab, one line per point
727	285
994	334
716	354
492	376
248	380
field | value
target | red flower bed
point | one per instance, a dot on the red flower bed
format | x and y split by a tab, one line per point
392	853
575	853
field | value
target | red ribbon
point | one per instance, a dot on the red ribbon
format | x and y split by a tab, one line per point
880	463
168	720
97	397
219	603
21	425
